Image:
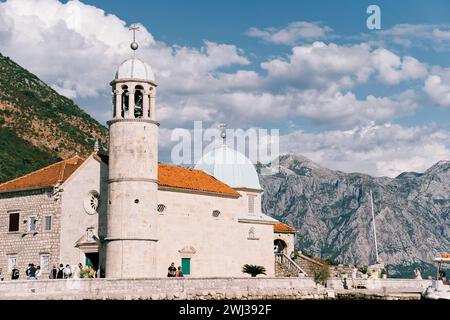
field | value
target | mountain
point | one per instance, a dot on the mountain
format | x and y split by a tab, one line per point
332	213
37	125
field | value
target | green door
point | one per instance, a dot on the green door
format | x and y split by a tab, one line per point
186	266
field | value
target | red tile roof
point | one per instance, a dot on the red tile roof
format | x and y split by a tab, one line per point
185	178
281	227
47	176
168	176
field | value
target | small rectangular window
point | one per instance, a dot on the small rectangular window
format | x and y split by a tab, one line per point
12	262
47	223
32	224
14	221
251	204
45	262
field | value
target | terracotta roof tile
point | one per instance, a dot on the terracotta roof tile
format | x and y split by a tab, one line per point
186	178
281	227
47	176
168	176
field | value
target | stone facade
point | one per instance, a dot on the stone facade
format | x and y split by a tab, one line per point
25	245
187	227
157	289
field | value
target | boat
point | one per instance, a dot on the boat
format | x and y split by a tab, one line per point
440	288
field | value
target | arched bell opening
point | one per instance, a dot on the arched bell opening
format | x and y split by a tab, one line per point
138	101
125	102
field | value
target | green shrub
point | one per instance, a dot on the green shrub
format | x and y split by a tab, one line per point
321	273
253	270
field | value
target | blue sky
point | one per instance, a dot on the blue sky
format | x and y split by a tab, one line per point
349	98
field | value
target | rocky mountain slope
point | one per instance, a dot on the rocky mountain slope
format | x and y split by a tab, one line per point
37	125
331	211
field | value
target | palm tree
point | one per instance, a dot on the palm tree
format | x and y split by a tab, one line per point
253	270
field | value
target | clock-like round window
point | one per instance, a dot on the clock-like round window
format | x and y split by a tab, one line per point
216	213
92	202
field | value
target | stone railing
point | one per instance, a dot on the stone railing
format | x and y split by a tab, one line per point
163	288
289	265
405	285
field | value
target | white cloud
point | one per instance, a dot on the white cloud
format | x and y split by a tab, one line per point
393	70
437	86
324	65
76	48
412	35
295	32
380	150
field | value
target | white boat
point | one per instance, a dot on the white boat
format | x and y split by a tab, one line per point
440	288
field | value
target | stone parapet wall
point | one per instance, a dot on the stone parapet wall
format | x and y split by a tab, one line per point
165	288
380	284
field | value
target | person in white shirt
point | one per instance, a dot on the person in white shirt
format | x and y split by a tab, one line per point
67	272
37	275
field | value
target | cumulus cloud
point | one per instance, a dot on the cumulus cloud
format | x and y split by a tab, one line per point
295	32
412	35
380	150
76	47
437	86
322	65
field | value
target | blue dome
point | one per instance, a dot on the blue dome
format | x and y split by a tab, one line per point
231	167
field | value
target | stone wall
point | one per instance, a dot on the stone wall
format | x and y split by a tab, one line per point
29	246
163	288
381	284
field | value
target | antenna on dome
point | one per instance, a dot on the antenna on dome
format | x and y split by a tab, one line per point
223	133
134	45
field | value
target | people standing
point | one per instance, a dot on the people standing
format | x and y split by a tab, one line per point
15	273
38	272
31	272
172	271
76	271
418	274
67	272
354	273
179	273
27	271
1	274
60	274
53	273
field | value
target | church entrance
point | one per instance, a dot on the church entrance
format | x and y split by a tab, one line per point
92	259
186	266
279	246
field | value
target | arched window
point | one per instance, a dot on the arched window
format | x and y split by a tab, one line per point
114	105
138	101
125	101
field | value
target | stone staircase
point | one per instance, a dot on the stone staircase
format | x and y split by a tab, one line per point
307	264
286	267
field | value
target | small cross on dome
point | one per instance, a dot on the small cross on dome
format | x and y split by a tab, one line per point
134	45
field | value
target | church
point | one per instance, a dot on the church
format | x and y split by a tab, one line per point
133	216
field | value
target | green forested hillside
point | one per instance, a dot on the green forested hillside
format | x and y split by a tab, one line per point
37	125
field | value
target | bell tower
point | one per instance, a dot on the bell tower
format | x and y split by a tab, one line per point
133	171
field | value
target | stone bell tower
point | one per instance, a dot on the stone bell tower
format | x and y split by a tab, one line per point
133	172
